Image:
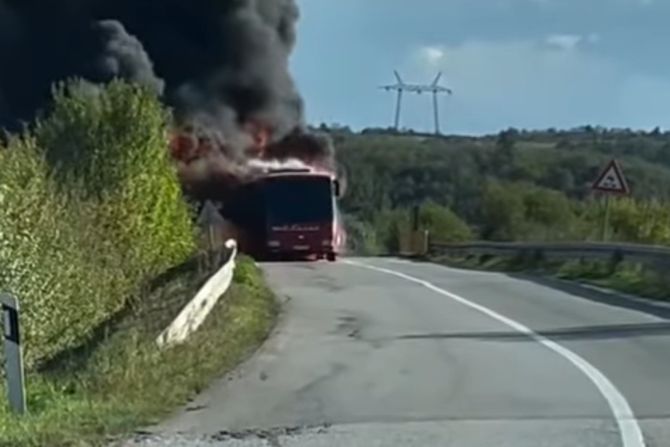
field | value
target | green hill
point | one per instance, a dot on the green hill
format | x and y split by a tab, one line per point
513	185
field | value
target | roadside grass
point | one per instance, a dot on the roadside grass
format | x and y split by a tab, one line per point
614	274
625	277
121	381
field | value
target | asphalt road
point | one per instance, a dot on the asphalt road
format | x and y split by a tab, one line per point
382	352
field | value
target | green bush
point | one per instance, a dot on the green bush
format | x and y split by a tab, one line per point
90	207
390	226
63	289
443	224
523	211
361	237
109	145
503	211
246	272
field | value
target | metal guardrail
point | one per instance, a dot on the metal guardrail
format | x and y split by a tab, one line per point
657	256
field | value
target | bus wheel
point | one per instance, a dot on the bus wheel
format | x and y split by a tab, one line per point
332	257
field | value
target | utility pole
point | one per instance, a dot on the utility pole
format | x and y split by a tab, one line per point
400	87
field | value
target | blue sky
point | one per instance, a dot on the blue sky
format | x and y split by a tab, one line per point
522	63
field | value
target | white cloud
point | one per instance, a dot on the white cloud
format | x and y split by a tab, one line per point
527	83
569	42
432	54
565	42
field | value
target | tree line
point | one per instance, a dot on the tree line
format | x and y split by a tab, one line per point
516	185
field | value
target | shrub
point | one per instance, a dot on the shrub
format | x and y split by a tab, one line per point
503	212
443	224
390	227
246	272
89	208
361	237
109	145
48	259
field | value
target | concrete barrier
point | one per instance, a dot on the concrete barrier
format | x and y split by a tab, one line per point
195	312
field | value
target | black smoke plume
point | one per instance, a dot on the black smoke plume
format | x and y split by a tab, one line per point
122	55
222	65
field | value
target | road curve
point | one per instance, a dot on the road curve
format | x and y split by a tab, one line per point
372	352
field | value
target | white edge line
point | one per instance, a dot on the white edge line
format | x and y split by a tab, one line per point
631	434
456	269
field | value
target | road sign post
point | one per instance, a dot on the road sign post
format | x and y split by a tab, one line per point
611	181
211	223
606	220
13	354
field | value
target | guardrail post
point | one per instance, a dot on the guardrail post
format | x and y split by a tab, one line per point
13	354
615	260
416	212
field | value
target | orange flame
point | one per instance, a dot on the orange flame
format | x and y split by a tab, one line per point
183	147
187	146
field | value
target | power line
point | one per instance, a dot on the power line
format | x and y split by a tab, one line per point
435	89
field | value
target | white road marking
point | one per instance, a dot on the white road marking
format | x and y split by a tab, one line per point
631	434
459	270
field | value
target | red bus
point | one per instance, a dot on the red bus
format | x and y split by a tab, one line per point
288	214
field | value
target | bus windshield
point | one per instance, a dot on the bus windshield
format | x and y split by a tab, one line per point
299	200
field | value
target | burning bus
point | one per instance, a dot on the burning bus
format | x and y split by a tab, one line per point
288	213
276	207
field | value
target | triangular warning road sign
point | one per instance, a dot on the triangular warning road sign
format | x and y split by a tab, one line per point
612	180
